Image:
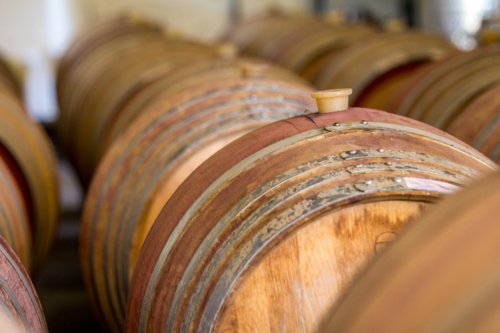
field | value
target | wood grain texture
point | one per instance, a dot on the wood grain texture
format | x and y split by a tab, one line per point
448	280
209	237
316	264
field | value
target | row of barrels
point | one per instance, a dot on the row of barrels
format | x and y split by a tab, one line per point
221	196
410	73
28	208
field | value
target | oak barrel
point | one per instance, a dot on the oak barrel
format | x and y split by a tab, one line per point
441	275
266	234
376	66
440	93
146	164
94	86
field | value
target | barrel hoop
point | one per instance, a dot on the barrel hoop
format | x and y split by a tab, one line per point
405	154
236	169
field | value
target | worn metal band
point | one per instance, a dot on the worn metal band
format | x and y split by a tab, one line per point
245	163
315	204
14	301
253	219
285	177
27	286
411	155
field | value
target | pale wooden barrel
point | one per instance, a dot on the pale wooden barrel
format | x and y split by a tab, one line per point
375	67
267	233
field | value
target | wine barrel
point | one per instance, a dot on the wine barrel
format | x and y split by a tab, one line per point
265	235
478	124
146	96
377	66
441	275
30	158
297	46
94	37
97	83
146	164
440	93
20	309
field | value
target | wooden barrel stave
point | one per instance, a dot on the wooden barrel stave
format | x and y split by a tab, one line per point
450	253
210	215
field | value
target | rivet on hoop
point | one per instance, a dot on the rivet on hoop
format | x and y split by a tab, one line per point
353	152
381	150
336	124
368	182
388	163
364	122
398	180
359	166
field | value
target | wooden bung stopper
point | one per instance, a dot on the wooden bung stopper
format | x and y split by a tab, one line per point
332	100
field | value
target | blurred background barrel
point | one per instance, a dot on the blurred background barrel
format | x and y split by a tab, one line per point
269	231
448	279
192	114
92	85
29	183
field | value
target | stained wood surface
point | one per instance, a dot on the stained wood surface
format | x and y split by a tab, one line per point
448	280
210	237
153	156
20	307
